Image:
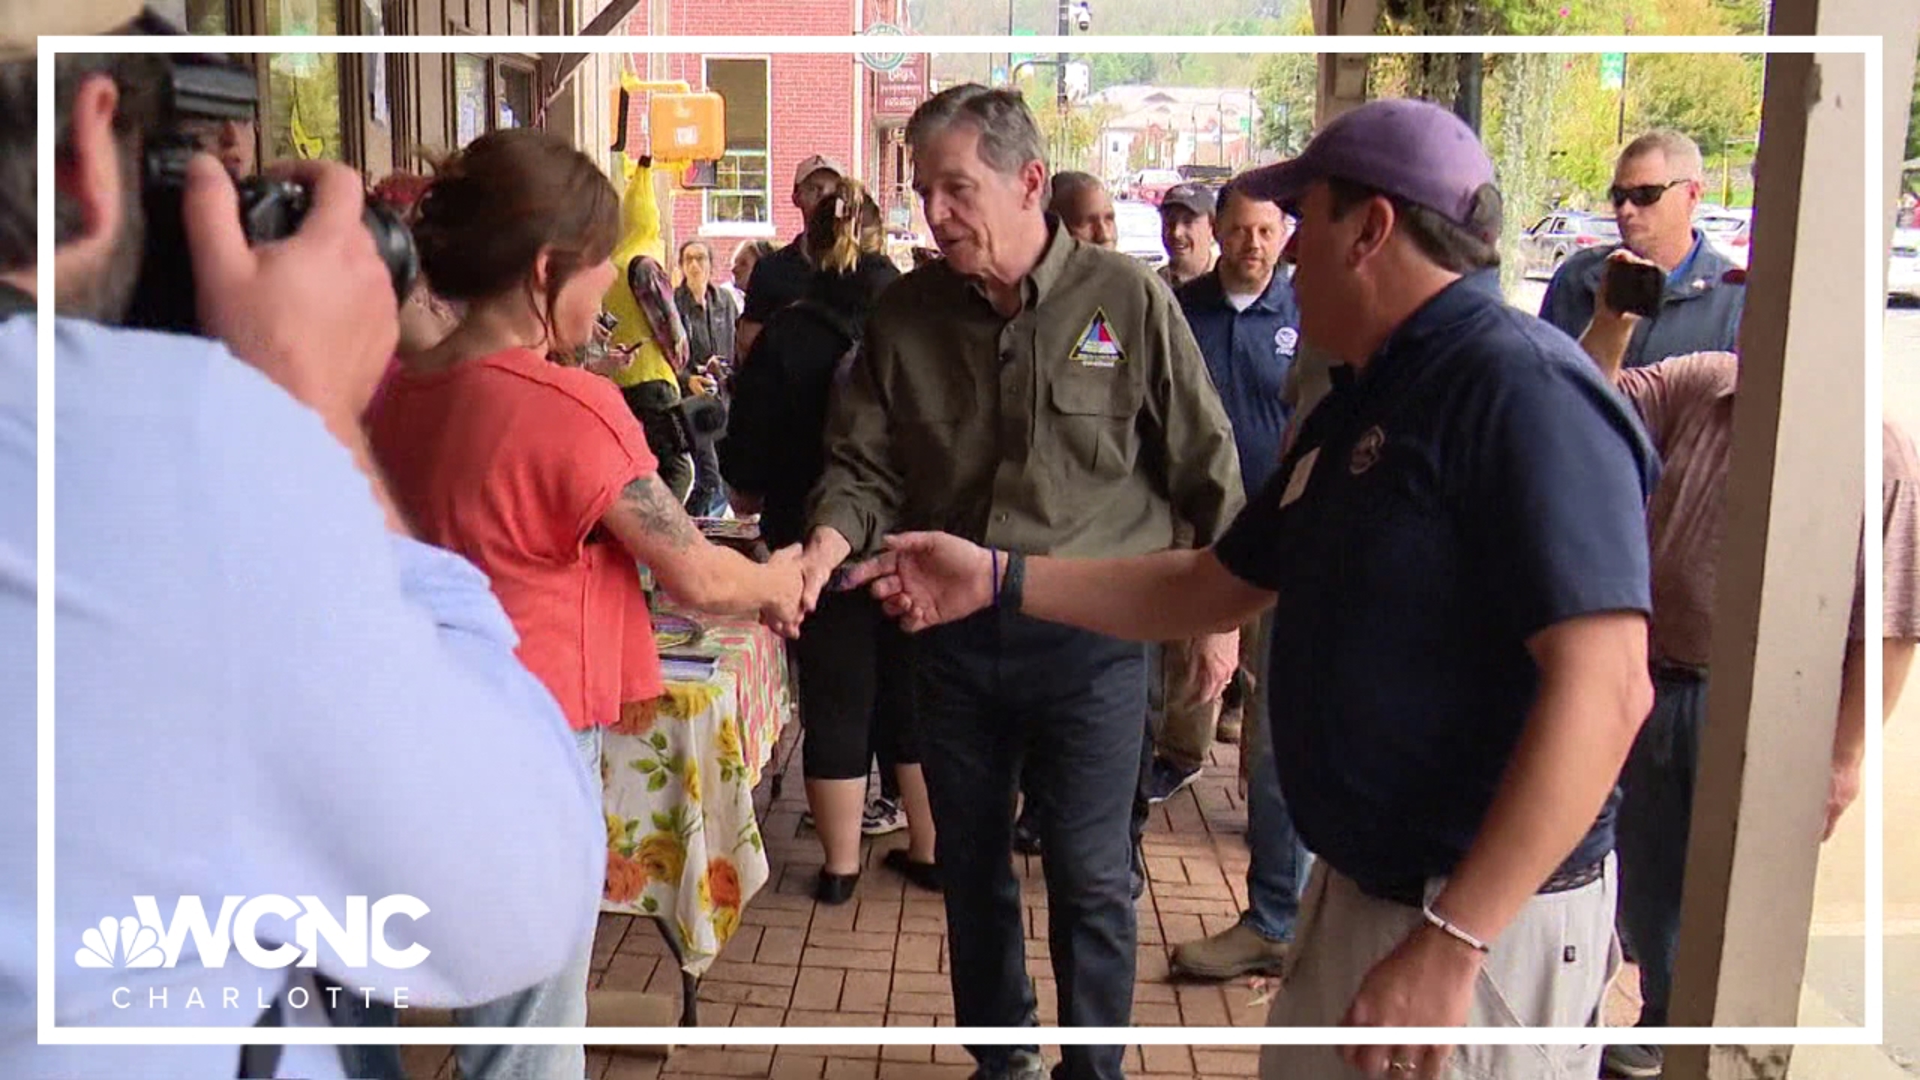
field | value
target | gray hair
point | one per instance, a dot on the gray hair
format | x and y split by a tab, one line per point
1009	138
1682	154
1068	186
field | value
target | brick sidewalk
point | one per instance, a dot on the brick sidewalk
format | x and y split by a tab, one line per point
880	959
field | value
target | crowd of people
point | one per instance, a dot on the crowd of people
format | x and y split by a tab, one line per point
1041	525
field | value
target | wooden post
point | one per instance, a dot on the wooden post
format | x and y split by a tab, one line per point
1795	496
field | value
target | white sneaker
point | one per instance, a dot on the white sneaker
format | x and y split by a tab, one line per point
883	816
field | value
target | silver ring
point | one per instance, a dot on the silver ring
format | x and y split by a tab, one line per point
1401	1066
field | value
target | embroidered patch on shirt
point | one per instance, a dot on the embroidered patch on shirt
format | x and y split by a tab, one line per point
1285	340
1097	347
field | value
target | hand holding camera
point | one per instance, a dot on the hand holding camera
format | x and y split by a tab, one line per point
316	311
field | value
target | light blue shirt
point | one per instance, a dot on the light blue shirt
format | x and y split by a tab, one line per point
259	691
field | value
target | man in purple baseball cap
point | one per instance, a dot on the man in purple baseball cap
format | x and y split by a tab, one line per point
1455	550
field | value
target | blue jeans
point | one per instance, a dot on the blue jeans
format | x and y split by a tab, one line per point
1277	871
1002	695
1656	814
560	1001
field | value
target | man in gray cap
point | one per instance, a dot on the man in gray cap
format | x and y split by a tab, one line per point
1186	228
781	278
1455	550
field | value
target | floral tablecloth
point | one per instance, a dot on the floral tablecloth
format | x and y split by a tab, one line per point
683	844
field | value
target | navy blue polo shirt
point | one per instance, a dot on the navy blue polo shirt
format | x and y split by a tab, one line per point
1478	482
1699	311
1249	354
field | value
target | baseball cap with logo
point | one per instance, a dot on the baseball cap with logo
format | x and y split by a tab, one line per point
1189	196
817	163
1410	149
23	21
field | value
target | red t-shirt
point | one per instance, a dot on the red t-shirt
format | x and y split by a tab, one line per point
511	461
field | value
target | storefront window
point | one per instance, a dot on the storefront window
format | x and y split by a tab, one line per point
741	194
194	16
470	98
516	97
304	98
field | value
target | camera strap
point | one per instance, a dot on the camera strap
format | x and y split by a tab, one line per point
15	301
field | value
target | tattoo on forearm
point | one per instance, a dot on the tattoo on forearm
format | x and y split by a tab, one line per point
660	513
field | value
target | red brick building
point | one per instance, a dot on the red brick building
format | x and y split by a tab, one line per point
780	110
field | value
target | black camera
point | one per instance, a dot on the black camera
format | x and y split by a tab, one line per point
677	425
218	88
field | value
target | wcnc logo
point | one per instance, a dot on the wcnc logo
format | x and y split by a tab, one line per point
150	941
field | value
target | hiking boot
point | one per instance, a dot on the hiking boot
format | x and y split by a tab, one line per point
1632	1062
1229	954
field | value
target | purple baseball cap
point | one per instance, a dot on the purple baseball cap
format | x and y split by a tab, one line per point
1404	147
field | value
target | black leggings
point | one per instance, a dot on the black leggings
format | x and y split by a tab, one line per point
856	688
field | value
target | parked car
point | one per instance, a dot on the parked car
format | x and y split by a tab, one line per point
1137	226
1551	239
1736	244
1903	265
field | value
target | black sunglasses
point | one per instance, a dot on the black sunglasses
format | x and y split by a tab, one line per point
1643	195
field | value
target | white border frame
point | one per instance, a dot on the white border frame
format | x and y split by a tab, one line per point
1870	1034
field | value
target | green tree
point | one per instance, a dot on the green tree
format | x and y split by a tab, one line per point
1284	85
1913	115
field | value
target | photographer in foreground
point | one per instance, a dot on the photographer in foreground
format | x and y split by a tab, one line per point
539	473
261	672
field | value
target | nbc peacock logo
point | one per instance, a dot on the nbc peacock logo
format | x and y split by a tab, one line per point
125	943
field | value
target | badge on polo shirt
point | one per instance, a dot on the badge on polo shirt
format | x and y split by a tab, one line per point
1285	340
1097	347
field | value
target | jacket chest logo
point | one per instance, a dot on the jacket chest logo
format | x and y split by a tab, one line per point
1366	452
1286	340
1097	347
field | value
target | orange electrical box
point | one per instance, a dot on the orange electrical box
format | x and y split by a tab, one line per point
687	127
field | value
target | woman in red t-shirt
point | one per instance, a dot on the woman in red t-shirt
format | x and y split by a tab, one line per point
538	473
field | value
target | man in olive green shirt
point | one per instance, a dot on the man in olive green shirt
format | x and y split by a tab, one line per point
1037	394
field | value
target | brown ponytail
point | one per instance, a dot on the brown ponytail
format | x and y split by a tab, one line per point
845	226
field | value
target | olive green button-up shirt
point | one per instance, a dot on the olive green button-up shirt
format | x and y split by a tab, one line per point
1086	425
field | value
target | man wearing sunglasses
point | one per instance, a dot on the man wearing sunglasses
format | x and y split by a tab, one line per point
1656	186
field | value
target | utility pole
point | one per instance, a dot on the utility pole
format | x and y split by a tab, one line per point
1470	72
1060	89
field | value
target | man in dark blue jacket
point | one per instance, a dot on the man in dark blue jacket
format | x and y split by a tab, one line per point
1656	186
1243	315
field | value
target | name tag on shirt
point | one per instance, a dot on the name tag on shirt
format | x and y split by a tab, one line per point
1297	483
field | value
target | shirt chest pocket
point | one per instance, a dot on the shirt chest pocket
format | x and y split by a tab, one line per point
1091	417
927	423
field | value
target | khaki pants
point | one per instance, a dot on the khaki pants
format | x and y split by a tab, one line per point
1188	733
1528	980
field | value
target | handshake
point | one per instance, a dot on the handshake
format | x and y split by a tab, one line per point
921	579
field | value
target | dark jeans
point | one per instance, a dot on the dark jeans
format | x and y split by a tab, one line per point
708	497
1001	696
1656	815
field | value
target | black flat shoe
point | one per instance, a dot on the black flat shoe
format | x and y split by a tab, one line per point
835	888
924	874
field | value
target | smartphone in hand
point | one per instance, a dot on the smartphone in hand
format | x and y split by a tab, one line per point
1634	288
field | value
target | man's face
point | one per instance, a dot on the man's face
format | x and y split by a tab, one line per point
231	141
1670	219
1251	236
1088	216
1323	275
817	188
696	266
971	207
1188	238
